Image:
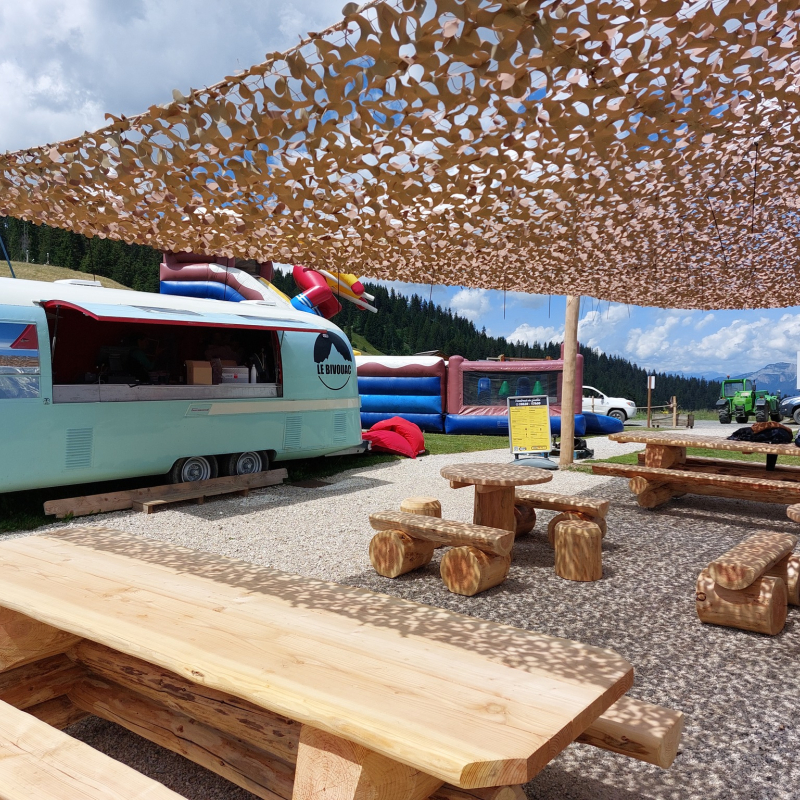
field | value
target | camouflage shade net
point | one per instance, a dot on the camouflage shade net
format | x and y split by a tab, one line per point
642	152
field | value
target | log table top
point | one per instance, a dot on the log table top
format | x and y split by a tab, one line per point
705	442
465	700
495	474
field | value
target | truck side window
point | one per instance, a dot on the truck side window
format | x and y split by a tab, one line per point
19	360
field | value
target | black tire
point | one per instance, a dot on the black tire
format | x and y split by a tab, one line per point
761	416
741	419
725	418
244	463
796	415
619	414
194	468
776	417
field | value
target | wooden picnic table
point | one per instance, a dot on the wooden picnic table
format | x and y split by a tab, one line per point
279	682
494	489
665	471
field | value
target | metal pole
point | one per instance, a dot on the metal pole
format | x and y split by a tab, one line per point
568	381
649	395
8	260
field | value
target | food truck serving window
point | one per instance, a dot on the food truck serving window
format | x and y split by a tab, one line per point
124	353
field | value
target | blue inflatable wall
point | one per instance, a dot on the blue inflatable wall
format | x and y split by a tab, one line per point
206	290
419	400
600	423
498	425
431	423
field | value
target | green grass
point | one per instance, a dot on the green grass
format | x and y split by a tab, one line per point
22	511
50	273
363	346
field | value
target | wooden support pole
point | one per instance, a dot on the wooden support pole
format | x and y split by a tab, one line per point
674	402
332	768
788	570
568	381
578	551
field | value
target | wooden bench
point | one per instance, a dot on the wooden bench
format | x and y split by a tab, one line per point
479	559
39	762
571	507
278	683
750	586
655	486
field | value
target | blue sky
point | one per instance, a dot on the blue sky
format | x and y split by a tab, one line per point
73	60
662	340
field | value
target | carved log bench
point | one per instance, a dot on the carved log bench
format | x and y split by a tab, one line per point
750	586
479	557
570	507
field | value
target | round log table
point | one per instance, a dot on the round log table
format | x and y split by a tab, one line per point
494	489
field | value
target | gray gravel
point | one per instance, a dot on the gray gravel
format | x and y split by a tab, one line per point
738	690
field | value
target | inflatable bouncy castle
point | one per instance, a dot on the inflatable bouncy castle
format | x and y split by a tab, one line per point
237	280
459	396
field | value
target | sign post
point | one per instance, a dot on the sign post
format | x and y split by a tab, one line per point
529	429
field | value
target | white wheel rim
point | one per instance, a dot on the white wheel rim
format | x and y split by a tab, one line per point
196	468
248	463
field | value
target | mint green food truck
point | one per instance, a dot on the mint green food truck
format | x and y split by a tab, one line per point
98	384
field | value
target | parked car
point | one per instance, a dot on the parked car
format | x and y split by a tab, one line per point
790	407
598	403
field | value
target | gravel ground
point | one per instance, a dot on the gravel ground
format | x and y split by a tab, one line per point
738	690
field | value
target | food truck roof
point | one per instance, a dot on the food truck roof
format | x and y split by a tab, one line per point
121	305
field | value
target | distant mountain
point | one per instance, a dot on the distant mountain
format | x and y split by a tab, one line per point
781	376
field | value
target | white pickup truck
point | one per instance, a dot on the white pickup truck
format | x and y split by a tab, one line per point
598	403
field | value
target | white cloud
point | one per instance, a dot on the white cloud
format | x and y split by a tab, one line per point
67	62
703	322
471	303
646	344
528	334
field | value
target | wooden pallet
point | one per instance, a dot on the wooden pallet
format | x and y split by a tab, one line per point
150	498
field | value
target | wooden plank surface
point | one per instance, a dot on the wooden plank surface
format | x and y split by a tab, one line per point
455	534
704	442
750	559
731	466
494	475
471	702
38	762
562	502
119	501
687	482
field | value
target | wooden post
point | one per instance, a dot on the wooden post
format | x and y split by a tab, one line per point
568	381
674	402
649	401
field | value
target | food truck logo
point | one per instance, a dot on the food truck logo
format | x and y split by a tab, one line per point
333	360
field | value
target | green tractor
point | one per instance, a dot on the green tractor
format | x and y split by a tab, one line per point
739	399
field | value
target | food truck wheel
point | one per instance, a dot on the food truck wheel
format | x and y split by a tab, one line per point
196	468
243	463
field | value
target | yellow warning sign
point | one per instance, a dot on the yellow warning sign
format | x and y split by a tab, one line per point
529	424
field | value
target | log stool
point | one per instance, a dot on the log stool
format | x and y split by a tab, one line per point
428	506
468	571
578	550
573	515
750	586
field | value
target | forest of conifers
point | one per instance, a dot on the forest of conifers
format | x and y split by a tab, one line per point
403	325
